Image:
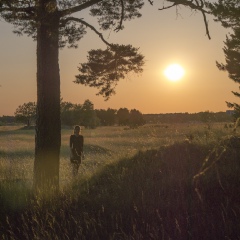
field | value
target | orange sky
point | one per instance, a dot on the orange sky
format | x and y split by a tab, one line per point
163	38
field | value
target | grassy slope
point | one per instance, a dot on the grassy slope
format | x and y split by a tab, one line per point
150	195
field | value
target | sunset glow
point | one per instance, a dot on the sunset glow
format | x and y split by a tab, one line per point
165	41
174	72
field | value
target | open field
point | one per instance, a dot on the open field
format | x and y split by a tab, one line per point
155	182
102	145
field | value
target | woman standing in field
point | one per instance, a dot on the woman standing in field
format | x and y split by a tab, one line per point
76	148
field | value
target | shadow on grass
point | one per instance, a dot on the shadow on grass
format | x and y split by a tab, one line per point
149	196
88	149
95	149
21	130
15	194
2	153
154	195
17	154
65	152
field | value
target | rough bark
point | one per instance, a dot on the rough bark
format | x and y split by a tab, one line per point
48	124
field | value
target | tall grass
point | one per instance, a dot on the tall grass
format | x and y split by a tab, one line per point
155	182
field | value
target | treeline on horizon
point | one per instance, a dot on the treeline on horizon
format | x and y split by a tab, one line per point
204	117
85	115
79	114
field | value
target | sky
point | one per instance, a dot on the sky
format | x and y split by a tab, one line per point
163	37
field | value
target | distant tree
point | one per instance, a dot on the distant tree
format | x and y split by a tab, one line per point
136	118
77	114
187	117
66	113
205	116
70	113
110	116
106	117
5	120
123	116
228	13
101	115
26	113
89	117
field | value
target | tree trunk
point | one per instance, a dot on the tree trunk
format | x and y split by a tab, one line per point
48	124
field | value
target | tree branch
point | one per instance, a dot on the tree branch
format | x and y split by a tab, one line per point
79	7
87	25
122	16
193	4
151	2
206	25
18	10
163	8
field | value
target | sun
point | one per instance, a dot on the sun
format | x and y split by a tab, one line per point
174	72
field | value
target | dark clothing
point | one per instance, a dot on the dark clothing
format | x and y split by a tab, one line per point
76	145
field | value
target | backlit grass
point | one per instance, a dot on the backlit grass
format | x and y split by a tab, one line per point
154	182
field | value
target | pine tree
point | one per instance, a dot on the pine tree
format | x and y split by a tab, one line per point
232	65
53	24
228	13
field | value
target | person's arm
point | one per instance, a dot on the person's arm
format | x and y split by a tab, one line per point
82	143
71	146
82	148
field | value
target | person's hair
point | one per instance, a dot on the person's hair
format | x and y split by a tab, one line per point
77	127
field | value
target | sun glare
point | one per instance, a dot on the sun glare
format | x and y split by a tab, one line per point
174	72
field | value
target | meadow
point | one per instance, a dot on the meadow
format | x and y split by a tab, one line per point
102	146
162	181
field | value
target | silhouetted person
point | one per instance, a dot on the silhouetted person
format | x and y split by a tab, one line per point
76	148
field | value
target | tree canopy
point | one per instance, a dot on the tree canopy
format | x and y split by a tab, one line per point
228	13
106	67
